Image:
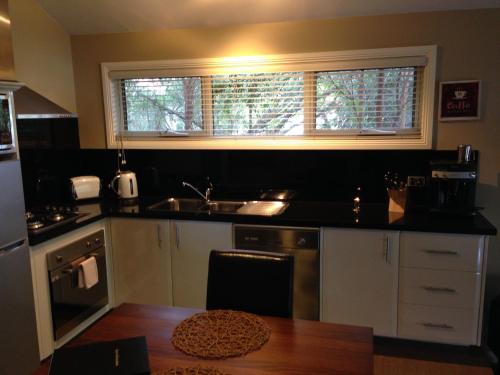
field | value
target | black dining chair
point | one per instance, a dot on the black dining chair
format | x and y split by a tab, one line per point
251	281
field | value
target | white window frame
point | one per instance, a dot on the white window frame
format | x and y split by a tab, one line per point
307	62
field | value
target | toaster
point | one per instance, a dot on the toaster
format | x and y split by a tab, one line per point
85	187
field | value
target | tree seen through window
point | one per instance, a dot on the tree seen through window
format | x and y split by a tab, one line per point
272	104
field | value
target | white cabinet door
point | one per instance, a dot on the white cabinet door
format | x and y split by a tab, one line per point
191	243
142	266
360	278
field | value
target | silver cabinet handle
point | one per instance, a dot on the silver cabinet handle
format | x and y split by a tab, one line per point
437	325
174	233
177	235
437	289
387	249
440	252
158	233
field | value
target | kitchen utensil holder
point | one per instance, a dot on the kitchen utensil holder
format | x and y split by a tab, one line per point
397	200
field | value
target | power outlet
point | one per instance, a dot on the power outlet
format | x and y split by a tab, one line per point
416	181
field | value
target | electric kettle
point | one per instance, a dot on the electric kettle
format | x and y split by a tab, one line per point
127	185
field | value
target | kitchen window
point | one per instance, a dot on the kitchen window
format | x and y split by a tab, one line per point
163	105
356	99
258	104
379	100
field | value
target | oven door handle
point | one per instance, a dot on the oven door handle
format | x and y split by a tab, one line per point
69	270
75	267
72	270
77	263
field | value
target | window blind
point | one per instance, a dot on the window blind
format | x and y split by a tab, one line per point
273	104
258	104
169	105
371	99
378	98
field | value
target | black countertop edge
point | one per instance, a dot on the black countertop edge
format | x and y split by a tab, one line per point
298	214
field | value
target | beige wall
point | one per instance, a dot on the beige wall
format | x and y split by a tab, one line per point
42	53
468	49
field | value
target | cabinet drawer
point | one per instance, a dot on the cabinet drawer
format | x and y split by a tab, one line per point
438	324
441	251
439	288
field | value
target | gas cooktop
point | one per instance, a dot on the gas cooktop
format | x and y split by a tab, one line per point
46	218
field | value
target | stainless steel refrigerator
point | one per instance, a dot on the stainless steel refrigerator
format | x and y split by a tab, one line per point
18	336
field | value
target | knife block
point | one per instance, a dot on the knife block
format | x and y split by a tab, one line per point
397	200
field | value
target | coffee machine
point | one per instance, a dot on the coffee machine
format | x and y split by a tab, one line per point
453	184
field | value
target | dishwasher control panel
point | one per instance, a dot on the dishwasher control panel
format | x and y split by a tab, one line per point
269	237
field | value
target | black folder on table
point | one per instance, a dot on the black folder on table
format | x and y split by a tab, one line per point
119	357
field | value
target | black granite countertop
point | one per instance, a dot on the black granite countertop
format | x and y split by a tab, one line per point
299	213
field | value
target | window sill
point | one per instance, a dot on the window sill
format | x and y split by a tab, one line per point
364	142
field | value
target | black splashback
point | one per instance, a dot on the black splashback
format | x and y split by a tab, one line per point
48	133
315	175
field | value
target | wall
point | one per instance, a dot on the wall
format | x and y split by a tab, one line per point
42	53
468	49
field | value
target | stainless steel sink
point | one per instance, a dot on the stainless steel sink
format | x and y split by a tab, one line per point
224	206
263	208
260	208
196	205
178	204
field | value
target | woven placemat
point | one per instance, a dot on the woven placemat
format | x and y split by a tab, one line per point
220	334
191	371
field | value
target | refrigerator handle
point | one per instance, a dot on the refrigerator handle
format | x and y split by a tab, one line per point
12	247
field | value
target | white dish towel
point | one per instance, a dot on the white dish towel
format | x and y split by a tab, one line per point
88	275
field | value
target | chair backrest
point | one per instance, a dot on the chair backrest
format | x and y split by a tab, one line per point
252	281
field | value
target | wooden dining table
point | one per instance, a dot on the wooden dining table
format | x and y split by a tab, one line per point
295	346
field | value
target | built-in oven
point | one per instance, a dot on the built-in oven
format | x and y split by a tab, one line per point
71	302
7	137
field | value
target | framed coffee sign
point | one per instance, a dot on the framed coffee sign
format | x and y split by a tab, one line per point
459	100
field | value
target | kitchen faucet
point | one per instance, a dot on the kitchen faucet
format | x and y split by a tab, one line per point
208	192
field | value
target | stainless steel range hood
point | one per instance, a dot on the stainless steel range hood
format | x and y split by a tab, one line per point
28	103
31	105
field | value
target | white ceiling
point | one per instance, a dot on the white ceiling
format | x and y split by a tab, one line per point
107	16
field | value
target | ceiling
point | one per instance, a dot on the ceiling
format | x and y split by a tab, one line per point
109	16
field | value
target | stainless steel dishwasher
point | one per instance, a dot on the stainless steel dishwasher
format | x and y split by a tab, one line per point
303	245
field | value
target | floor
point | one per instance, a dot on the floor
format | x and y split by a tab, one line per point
406	366
405	357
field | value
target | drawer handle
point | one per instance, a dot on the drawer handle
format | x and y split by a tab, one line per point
441	252
436	289
437	325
